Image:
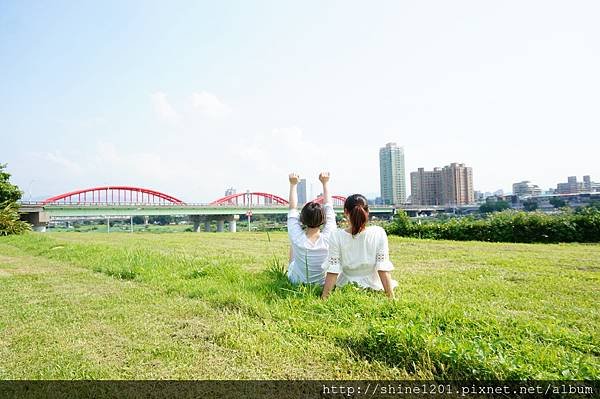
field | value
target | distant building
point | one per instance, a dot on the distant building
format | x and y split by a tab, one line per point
572	186
546	202
450	185
479	196
457	184
230	191
526	188
589	186
392	174
302	191
426	187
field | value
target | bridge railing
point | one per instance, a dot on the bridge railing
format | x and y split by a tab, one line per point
157	204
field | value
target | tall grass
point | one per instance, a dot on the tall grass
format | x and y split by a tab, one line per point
471	321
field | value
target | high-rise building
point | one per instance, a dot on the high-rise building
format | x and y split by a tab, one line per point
426	187
302	192
526	188
451	185
587	184
392	175
230	191
457	185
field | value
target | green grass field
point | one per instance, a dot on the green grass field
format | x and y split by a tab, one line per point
216	306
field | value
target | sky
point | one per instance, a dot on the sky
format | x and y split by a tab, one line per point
192	97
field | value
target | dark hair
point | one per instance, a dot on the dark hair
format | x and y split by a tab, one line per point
358	208
312	214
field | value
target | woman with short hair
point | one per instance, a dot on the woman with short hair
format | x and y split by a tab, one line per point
309	245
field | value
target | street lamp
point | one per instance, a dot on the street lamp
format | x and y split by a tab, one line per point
30	188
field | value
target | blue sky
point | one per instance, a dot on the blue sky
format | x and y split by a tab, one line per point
193	97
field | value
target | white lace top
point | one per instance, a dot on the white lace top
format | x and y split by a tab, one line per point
359	258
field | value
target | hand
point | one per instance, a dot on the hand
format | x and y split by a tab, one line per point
324	177
294	178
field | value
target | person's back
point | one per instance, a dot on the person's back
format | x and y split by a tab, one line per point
361	257
359	254
309	248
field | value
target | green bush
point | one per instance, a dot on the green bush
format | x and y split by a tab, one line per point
9	220
506	226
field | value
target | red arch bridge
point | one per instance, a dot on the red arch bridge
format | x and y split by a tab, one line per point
127	201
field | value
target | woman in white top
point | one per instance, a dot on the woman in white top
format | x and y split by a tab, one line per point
309	247
359	254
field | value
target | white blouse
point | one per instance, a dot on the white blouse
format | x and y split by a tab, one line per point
358	259
307	256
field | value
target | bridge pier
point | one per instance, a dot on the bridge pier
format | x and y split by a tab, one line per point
220	225
39	220
196	219
233	223
207	225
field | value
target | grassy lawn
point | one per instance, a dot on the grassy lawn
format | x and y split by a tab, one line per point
217	306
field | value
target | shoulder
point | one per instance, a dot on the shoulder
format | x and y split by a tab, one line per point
293	213
338	234
376	234
375	231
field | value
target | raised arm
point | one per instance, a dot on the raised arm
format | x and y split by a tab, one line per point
295	231
293	190
324	178
330	224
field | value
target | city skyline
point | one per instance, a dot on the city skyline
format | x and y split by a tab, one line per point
194	97
428	178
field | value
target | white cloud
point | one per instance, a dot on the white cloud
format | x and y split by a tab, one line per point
106	153
163	107
271	156
209	105
66	164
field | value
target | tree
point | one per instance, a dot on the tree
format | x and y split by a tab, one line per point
494	206
10	222
139	220
161	219
401	224
9	193
557	202
530	205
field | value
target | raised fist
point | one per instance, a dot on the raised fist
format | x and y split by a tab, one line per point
324	177
294	178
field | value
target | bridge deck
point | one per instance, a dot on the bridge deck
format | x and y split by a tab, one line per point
170	209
